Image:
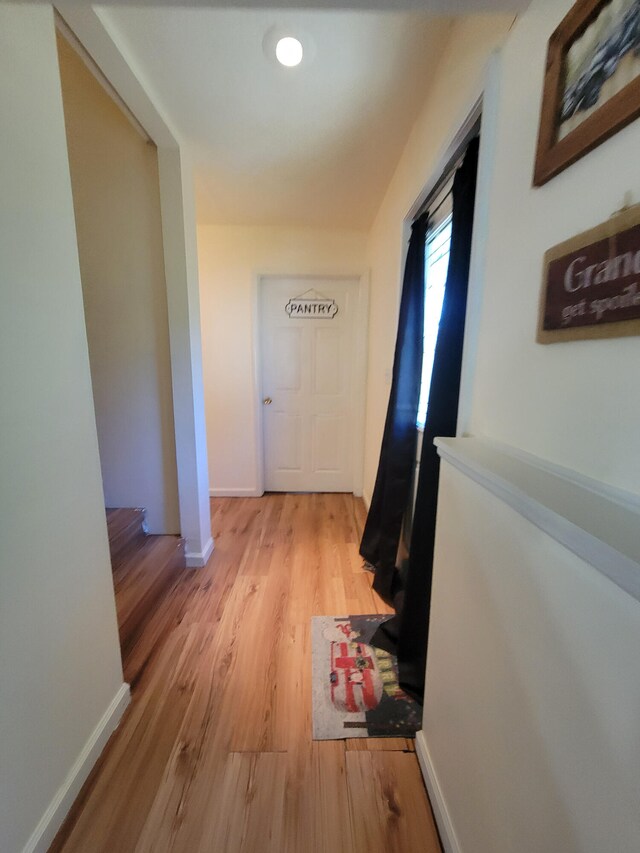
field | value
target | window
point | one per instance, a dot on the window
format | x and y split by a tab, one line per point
437	249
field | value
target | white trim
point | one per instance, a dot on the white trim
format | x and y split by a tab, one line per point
256	377
586	520
472	115
72	40
197	560
481	224
486	91
183	313
96	33
361	350
436	797
235	493
51	821
366	497
625	499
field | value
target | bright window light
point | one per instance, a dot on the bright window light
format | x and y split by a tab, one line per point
436	267
289	51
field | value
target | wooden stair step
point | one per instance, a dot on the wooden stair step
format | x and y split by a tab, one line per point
127	532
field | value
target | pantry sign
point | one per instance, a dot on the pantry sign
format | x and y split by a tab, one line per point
591	283
311	306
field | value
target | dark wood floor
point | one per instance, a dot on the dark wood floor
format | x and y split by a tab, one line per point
215	752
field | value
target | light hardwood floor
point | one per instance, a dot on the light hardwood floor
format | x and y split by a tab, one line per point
215	753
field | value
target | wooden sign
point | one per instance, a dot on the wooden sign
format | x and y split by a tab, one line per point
311	308
591	283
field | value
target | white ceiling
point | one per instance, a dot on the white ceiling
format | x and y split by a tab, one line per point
440	7
313	146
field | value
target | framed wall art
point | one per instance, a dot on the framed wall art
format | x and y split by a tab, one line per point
591	283
592	82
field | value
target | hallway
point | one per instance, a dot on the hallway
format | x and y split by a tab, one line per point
215	751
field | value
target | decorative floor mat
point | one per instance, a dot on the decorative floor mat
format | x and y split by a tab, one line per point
355	685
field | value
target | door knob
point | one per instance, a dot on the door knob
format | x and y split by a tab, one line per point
267	401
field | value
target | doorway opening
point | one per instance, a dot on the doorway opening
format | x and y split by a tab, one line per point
116	198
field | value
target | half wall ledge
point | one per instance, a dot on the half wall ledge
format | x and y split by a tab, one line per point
596	522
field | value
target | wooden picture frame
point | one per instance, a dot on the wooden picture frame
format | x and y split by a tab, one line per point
563	138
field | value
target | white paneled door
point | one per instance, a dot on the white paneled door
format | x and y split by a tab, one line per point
308	362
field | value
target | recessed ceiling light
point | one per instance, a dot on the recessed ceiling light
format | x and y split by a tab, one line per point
289	51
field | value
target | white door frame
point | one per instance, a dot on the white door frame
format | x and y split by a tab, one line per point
361	325
180	266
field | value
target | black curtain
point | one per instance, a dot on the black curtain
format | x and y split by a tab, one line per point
383	527
409	629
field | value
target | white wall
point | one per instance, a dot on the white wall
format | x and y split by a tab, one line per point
116	196
532	701
532	698
60	658
574	403
231	258
455	87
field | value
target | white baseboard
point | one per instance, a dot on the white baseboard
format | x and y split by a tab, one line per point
235	493
438	803
198	559
366	497
52	819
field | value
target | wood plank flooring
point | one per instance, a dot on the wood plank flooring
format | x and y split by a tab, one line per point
142	582
215	752
126	531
